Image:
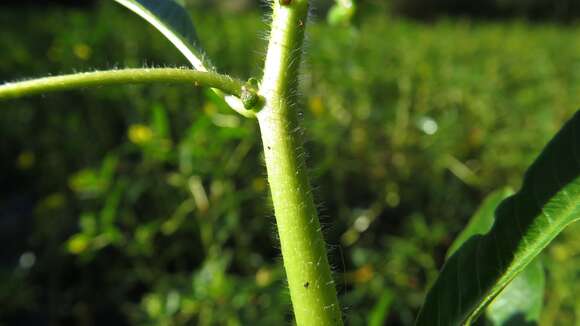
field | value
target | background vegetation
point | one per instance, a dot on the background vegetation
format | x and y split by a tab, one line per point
149	205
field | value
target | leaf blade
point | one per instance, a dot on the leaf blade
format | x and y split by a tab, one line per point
171	19
525	223
520	303
482	221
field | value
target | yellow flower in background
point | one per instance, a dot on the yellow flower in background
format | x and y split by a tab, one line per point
140	134
209	108
316	106
264	277
78	244
82	51
259	184
25	160
362	275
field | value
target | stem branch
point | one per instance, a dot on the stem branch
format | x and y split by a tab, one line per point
125	76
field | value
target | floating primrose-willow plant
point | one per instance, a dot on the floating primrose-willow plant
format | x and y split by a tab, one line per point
501	241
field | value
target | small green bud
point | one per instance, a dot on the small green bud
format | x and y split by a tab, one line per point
253	82
249	96
341	14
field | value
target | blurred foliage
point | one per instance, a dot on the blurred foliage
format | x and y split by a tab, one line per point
560	10
149	204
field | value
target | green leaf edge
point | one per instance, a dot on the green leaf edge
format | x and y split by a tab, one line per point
524	241
482	221
522	298
182	37
530	280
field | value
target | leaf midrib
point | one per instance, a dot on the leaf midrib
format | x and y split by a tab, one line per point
528	253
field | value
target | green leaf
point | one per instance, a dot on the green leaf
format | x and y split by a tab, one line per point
341	13
173	21
160	122
380	311
482	221
524	225
520	303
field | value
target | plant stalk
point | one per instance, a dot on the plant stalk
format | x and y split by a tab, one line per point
119	77
312	288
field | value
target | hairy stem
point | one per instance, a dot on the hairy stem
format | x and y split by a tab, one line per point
124	76
310	281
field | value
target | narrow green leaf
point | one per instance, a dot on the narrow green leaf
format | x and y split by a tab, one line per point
524	225
173	21
160	122
520	303
380	312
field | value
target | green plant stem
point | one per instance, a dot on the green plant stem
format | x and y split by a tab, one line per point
310	281
122	76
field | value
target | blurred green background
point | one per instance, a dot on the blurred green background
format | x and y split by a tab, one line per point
148	205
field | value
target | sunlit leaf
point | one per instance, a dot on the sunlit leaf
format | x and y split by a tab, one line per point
520	303
524	225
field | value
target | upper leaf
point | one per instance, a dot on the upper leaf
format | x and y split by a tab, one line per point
173	21
524	225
